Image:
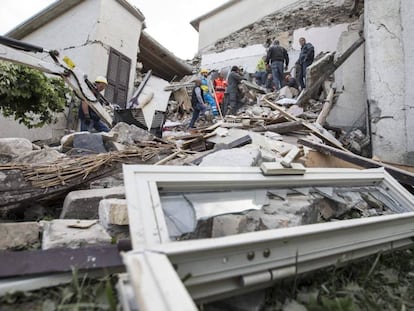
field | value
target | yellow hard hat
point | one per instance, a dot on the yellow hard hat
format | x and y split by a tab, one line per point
101	79
203	71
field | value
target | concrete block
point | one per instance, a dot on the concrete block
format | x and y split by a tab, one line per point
84	204
73	233
225	225
113	212
234	138
233	157
18	235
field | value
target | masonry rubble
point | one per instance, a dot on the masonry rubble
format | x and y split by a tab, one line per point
91	205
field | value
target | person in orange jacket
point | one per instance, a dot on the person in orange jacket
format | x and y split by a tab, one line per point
220	85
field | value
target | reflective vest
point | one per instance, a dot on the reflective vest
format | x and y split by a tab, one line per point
220	85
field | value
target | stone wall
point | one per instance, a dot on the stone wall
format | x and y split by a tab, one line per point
281	25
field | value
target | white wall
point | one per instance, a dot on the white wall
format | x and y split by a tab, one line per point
85	33
389	77
240	15
350	109
324	39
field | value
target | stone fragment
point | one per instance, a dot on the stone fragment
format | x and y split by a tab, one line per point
63	233
225	225
113	212
46	155
84	204
89	143
15	146
233	157
129	134
19	235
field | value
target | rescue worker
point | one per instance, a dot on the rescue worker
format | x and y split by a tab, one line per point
261	73
307	54
88	118
234	100
276	57
220	85
197	102
208	98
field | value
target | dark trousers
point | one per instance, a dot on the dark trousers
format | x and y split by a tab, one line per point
232	103
302	74
277	73
98	125
197	109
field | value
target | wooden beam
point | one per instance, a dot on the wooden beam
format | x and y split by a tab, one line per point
311	127
402	176
284	127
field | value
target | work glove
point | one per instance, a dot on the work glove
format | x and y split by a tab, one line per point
87	120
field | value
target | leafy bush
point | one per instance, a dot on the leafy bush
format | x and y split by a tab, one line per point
29	96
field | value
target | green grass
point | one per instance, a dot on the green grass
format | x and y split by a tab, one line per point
380	282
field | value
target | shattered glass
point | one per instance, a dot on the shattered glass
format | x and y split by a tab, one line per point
263	209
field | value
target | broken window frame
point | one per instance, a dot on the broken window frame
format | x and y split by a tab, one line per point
209	269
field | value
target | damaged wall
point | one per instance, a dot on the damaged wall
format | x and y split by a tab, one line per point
389	67
87	32
226	29
84	31
350	109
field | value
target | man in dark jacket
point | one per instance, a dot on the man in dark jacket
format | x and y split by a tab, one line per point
276	57
197	102
307	54
232	91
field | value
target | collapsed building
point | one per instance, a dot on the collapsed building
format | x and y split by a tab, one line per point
243	202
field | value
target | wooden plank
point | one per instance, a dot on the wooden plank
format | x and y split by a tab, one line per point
402	176
310	127
24	263
288	159
281	128
326	108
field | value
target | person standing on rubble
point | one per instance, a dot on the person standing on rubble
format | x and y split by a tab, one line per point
306	56
197	102
276	57
88	118
208	98
233	94
261	73
220	85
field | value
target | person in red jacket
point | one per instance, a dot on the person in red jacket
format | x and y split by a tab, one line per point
220	85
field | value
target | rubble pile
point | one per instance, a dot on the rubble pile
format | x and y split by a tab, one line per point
76	179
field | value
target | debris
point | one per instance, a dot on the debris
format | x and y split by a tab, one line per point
19	235
58	233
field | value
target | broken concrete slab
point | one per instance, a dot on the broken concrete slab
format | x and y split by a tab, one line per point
19	235
73	233
84	204
234	138
246	57
113	212
233	157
